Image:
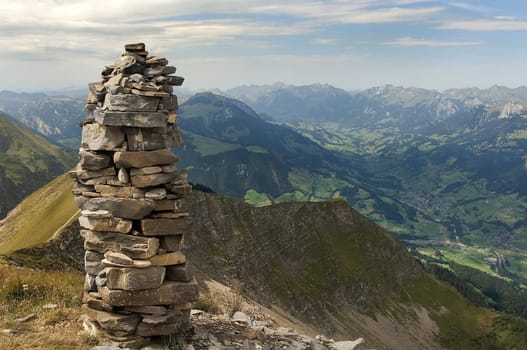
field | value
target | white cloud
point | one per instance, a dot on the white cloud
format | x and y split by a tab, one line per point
324	41
487	25
409	41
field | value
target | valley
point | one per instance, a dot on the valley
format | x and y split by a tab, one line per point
445	172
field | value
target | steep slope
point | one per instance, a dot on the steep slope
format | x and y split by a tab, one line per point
329	267
232	150
26	162
39	216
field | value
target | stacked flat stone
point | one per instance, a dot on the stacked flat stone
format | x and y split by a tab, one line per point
131	194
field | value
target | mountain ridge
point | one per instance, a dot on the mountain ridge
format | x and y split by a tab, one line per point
324	264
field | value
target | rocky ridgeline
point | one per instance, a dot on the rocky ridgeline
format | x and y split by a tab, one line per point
240	332
131	194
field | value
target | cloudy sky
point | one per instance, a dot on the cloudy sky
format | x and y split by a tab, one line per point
352	44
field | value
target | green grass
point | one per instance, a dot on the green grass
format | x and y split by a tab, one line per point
256	149
39	216
25	291
207	146
256	198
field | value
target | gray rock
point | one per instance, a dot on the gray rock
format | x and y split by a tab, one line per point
114	323
180	190
156	310
119	258
133	246
179	273
94	161
136	78
123	176
165	227
174	258
147	139
111	224
127	208
156	193
347	344
130	103
120	191
169	103
142	159
92	262
241	317
85	174
96	303
169	293
96	137
79	188
149	330
89	283
132	119
96	214
143	181
146	171
135	279
100	279
171	243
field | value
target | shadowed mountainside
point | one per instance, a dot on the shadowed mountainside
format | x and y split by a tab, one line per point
27	161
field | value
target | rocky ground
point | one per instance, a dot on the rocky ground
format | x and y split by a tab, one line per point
240	332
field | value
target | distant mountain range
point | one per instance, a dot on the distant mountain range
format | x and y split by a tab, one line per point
440	169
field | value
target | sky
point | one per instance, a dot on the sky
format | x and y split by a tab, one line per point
351	44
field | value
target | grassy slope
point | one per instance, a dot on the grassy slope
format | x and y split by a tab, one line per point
54	328
322	261
39	216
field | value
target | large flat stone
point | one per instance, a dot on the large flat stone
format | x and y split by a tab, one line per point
155	310
165	205
169	103
169	293
151	330
151	180
111	224
165	227
97	137
86	174
180	190
142	159
114	323
93	160
171	243
134	279
179	273
131	102
96	303
133	246
146	171
173	258
147	139
120	191
133	119
127	208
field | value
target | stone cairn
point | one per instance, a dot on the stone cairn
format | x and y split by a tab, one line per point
133	218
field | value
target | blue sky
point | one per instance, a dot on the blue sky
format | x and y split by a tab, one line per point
351	44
